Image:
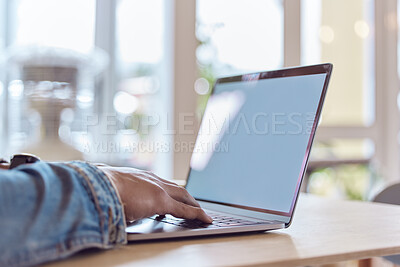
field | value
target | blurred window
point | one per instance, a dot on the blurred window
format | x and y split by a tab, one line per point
343	149
139	73
342	32
235	37
61	23
142	92
348	43
239	36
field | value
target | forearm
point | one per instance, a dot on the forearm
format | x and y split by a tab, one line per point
49	211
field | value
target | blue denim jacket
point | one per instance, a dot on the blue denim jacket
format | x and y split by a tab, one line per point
49	211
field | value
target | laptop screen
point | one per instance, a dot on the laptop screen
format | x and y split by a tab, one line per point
254	140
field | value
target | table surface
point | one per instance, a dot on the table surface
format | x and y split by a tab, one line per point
323	231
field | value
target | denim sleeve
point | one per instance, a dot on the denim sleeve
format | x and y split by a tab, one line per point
49	211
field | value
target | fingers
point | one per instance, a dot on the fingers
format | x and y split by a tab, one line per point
180	194
175	191
181	210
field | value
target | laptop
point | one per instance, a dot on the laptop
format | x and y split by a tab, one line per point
250	155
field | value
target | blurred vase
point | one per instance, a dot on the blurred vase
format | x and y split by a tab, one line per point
46	88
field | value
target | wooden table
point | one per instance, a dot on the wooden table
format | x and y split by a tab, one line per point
323	231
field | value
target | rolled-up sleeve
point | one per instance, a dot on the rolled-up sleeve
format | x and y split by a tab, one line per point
49	211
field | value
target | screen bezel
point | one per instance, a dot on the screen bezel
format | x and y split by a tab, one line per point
325	68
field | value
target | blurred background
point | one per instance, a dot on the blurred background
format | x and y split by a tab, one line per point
110	80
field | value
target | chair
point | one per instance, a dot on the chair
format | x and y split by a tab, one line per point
390	195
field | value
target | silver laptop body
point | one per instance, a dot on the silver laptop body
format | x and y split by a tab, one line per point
251	153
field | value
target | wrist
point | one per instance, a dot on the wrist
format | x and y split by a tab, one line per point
107	171
4	166
105	198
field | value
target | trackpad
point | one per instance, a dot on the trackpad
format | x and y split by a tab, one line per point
146	226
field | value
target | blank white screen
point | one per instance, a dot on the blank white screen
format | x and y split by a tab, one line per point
254	158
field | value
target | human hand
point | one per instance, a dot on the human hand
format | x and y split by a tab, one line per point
4	164
144	194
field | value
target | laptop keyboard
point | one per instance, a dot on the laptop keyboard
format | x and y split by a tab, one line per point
220	220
